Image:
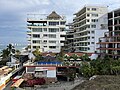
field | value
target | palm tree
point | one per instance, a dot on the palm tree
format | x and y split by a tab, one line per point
37	54
74	56
67	57
5	53
11	49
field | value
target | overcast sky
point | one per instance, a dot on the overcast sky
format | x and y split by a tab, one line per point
13	14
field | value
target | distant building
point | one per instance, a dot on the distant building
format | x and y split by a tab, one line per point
90	23
47	33
69	43
110	43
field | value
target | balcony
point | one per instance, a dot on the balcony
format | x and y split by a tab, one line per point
109	48
29	38
28	32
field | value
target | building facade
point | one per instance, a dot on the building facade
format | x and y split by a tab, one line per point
89	23
69	43
110	43
47	33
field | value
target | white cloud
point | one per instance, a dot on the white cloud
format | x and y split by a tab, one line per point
21	4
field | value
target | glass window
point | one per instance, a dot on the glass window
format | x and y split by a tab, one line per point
92	42
37	29
95	15
45	41
92	31
94	9
53	29
51	41
36	35
52	47
62	23
94	20
36	41
45	29
88	9
52	35
44	35
88	15
53	23
93	26
88	20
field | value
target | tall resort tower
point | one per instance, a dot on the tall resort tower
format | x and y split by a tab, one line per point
90	23
46	32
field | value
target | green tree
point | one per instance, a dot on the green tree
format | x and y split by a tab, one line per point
5	53
70	74
37	54
11	49
74	56
66	57
18	52
87	70
85	57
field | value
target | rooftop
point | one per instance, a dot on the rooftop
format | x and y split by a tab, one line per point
4	70
44	17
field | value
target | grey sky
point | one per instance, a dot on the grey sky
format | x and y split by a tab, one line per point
13	14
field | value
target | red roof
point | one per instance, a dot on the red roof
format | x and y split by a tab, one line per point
48	54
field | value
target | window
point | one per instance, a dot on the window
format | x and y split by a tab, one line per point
62	29
53	23
94	20
44	35
95	15
62	41
93	26
92	31
52	47
36	47
37	29
88	9
92	37
62	23
94	9
36	35
88	20
62	35
45	46
88	48
52	35
92	42
45	29
88	26
53	29
88	15
52	41
36	41
45	41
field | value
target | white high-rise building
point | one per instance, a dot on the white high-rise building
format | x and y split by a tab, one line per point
90	23
47	33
